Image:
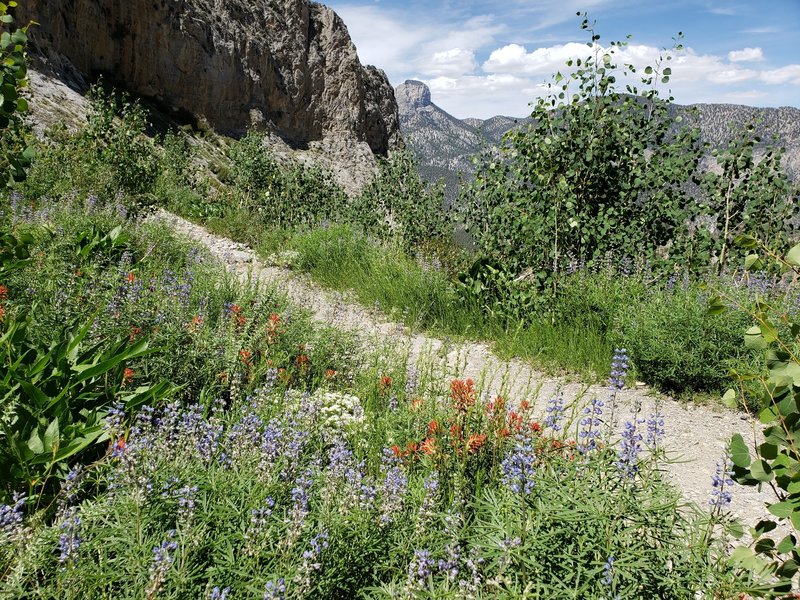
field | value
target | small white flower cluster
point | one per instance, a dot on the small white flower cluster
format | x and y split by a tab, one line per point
338	412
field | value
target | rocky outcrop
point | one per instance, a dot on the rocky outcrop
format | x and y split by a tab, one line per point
287	66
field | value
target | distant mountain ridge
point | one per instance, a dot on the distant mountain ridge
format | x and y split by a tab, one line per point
444	145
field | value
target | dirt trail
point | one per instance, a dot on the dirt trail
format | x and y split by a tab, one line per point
696	435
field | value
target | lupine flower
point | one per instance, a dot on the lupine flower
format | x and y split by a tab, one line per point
69	542
419	569
114	419
655	429
186	502
608	571
412	381
555	411
275	590
590	425
217	594
11	516
518	468
163	556
257	527
721	483
619	371
629	448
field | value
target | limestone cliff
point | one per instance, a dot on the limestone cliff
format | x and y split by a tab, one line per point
287	66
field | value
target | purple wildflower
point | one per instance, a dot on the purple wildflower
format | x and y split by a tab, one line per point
721	484
518	468
555	411
275	590
69	542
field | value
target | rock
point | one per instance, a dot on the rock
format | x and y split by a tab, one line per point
287	66
412	95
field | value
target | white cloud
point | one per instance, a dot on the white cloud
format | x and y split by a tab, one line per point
452	62
746	55
787	74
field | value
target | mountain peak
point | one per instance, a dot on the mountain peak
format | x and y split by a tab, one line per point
412	95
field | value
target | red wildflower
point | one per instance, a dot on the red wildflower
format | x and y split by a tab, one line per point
462	393
195	323
127	375
416	404
2	313
429	446
536	427
412	447
246	355
515	421
385	384
433	427
330	374
496	406
524	405
455	430
396	451
135	332
302	361
3	292
131	277
475	441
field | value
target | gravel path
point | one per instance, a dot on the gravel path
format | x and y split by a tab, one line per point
696	435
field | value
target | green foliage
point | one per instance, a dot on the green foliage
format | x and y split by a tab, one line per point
598	171
750	196
776	460
55	397
281	195
398	205
111	155
15	154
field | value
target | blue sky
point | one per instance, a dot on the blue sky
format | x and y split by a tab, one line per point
493	57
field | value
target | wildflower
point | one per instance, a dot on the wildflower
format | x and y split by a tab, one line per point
3	292
475	441
70	540
217	594
433	427
135	332
429	446
419	570
412	381
590	425
721	483
518	468
608	571
629	448
163	557
2	313
462	393
130	278
257	528
555	411
275	590
619	371
330	374
195	324
11	516
416	404
655	429
127	375
394	485
186	503
245	356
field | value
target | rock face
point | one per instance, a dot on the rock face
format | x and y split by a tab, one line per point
286	66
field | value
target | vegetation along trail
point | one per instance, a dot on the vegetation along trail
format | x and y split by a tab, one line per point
695	435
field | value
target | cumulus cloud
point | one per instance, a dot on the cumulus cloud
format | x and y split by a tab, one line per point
452	62
746	55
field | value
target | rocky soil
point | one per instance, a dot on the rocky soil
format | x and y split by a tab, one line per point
696	435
